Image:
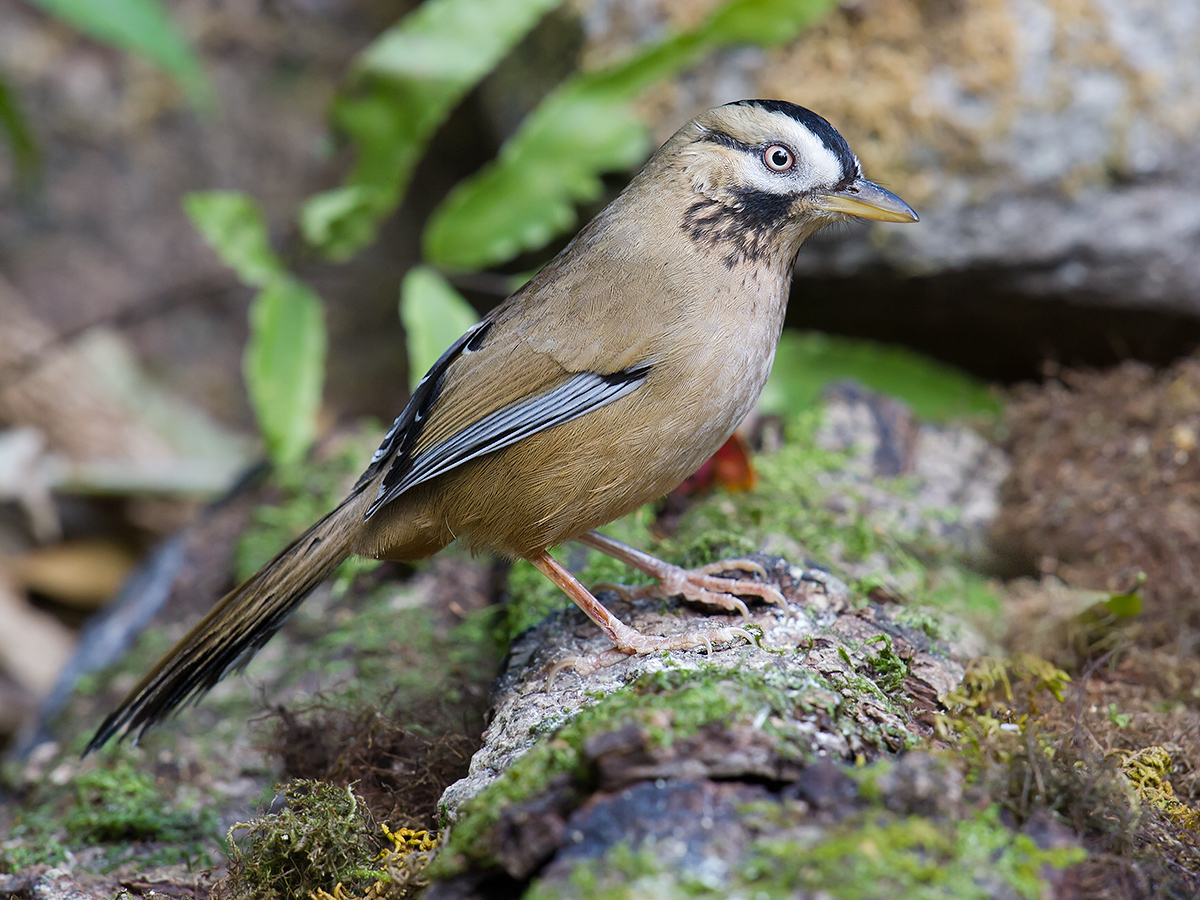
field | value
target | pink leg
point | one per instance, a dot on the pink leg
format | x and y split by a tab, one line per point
698	585
627	640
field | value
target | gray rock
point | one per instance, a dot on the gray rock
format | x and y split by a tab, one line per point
1053	145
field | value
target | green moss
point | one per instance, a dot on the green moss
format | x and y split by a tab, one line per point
385	648
116	806
888	670
322	838
670	705
907	856
862	858
123	804
624	873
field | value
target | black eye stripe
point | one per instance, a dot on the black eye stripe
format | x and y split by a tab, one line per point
820	127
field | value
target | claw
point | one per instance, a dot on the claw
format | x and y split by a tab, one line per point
733	565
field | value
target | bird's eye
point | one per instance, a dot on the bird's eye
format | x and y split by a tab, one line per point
778	158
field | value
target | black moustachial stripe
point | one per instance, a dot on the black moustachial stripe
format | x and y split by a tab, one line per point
826	133
743	225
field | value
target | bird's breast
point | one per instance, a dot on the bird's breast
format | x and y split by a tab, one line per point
709	365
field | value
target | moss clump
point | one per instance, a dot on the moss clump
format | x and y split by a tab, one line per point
122	804
669	706
403	863
1148	770
887	668
323	845
321	839
997	692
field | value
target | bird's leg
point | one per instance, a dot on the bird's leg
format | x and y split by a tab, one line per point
698	585
628	640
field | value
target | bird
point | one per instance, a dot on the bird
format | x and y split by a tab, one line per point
602	383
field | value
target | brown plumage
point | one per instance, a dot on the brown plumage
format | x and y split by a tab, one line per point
604	382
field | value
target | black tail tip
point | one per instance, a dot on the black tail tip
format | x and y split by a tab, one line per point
111	727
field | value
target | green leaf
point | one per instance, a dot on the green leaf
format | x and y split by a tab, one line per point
284	366
434	316
583	129
404	85
20	138
233	225
284	362
142	27
1129	603
1124	606
808	361
343	219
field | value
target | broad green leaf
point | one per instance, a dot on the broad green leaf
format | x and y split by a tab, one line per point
138	26
1129	603
20	138
808	361
284	362
1124	606
404	85
434	316
585	128
343	219
284	366
233	225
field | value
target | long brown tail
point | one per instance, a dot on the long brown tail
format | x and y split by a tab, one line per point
236	628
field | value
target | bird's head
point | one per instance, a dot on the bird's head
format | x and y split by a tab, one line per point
759	176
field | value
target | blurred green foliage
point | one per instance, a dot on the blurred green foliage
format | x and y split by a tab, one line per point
808	361
142	27
434	315
585	128
284	362
400	89
15	128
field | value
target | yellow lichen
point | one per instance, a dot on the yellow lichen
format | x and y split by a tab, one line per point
1147	770
403	863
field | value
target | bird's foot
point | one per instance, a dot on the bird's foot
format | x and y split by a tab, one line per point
705	585
701	585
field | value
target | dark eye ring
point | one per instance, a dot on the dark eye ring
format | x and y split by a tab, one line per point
778	158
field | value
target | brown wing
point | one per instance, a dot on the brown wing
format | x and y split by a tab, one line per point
485	397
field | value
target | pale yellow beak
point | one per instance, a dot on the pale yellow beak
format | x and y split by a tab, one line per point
867	200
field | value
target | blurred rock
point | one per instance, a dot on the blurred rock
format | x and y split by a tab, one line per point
80	574
33	644
953	473
1054	145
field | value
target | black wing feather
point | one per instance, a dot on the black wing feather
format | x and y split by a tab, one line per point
398	442
578	395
